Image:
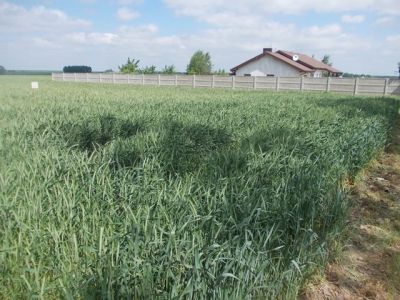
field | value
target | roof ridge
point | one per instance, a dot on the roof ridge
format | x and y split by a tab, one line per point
304	63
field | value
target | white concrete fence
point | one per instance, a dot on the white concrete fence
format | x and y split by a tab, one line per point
355	86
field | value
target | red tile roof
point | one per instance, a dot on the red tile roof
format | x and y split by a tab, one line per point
291	62
304	63
309	61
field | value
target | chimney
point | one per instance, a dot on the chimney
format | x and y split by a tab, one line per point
267	50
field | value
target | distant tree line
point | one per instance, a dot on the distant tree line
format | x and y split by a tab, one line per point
200	63
77	69
355	75
132	67
2	70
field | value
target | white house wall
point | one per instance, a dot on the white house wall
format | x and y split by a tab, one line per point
268	65
318	73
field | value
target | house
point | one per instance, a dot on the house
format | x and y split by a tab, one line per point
283	64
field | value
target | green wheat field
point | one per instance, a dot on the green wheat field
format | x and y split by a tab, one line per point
146	192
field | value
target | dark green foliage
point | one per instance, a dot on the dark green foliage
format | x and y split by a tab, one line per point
200	63
184	149
77	69
221	72
131	67
148	70
98	131
168	70
326	60
2	70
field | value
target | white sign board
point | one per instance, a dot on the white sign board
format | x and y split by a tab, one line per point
35	85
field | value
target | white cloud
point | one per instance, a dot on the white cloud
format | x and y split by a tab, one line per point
201	9
77	37
145	30
318	31
42	43
93	38
353	19
229	19
386	21
126	14
14	18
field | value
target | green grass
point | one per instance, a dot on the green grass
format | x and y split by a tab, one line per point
138	192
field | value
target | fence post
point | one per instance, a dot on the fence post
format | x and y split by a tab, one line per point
194	81
142	79
254	82
176	80
63	78
301	83
159	79
385	90
127	79
87	77
74	77
233	81
212	82
328	84
277	84
356	86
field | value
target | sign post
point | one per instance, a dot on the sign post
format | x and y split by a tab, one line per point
35	86
399	69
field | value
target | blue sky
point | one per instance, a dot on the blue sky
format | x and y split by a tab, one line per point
361	36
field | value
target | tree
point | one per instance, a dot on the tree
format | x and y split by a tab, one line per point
2	70
131	67
149	70
327	60
200	63
168	70
220	72
77	69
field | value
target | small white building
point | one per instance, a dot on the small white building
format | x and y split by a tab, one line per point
283	64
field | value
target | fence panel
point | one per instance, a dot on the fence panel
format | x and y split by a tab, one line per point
371	86
203	81
393	87
92	78
342	85
223	82
266	83
290	84
135	79
69	77
362	86
183	80
120	78
57	76
80	77
167	80
245	82
314	84
151	79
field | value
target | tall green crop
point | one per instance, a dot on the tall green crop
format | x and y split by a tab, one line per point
138	192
